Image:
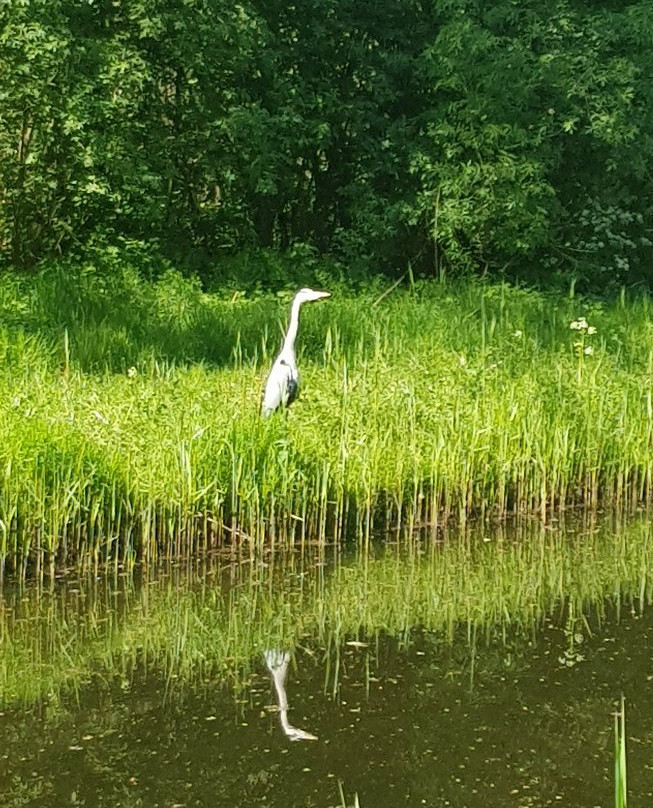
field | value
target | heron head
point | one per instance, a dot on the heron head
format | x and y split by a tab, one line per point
307	295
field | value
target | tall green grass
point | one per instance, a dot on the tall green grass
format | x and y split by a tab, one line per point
620	765
130	428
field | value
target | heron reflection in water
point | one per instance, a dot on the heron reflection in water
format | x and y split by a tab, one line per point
277	662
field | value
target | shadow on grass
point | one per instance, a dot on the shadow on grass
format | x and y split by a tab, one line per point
101	319
110	316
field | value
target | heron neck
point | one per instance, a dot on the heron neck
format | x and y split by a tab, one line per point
293	325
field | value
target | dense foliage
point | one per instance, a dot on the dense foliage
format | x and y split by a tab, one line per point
441	133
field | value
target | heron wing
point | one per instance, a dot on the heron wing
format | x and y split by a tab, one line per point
292	390
281	388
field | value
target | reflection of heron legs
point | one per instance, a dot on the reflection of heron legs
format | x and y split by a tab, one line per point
277	662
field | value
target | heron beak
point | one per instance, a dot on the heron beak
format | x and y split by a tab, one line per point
320	295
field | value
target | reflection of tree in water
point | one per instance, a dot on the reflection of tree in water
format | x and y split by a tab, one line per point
277	662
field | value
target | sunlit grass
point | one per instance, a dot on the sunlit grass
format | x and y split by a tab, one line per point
130	428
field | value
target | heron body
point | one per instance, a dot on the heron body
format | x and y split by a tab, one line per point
282	386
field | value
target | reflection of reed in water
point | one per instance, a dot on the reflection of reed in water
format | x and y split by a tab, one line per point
277	662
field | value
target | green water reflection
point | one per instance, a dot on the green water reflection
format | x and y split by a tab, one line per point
478	670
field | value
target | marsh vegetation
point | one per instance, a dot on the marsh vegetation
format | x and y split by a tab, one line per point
130	428
455	502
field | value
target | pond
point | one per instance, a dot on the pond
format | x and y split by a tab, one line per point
480	667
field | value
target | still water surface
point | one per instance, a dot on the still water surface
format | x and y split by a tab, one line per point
478	670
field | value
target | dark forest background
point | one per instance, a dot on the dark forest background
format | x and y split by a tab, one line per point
512	137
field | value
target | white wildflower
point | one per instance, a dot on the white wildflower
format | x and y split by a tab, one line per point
588	350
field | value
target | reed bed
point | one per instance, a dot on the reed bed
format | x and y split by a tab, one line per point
209	623
130	427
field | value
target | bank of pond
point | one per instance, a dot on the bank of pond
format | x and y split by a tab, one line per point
130	424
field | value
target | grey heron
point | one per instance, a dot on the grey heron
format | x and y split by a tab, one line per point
282	386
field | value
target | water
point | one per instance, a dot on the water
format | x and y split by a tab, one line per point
494	688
